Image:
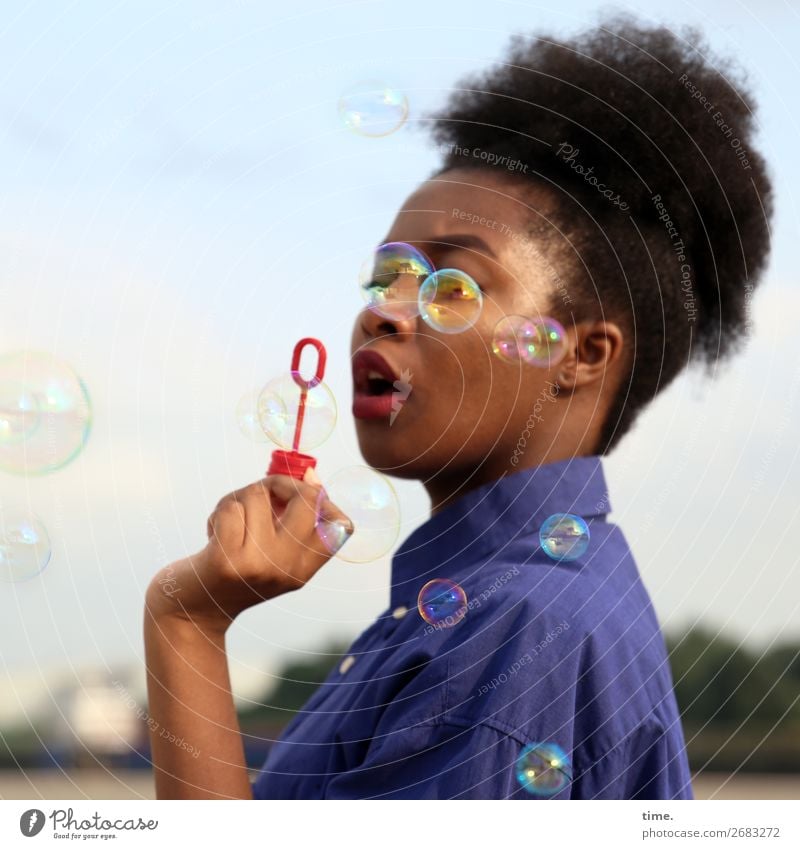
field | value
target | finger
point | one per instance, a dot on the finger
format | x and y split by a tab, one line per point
322	530
284	488
259	522
228	524
300	505
333	528
307	507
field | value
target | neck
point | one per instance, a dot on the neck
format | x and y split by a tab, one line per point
451	483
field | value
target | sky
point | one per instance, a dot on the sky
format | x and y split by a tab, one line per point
180	203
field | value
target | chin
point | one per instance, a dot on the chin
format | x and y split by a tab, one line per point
389	454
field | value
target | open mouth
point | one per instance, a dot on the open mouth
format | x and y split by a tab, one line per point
376	385
372	375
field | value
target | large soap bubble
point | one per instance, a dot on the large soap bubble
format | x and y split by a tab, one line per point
369	501
45	413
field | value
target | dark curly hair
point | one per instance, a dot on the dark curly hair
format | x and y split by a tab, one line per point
662	202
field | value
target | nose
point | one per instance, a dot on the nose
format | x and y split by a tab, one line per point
375	326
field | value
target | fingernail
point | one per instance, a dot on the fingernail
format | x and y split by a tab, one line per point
312	477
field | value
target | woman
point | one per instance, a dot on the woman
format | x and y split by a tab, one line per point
608	182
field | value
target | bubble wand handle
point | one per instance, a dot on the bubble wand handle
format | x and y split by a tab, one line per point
293	463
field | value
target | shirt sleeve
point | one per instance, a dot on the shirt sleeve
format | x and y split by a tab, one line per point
645	765
436	759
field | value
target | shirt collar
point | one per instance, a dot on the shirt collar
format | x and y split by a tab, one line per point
492	515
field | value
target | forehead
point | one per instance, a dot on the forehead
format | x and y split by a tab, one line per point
491	206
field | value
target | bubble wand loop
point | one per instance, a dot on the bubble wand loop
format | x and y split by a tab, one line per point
293	463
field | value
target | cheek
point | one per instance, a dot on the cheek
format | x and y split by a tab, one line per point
477	387
498	394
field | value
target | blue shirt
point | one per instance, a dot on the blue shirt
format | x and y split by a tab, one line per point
564	652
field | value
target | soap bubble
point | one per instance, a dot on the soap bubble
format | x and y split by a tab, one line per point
24	546
19	412
543	769
534	341
369	501
442	602
549	347
373	109
277	408
564	536
514	337
247	417
390	280
53	413
450	301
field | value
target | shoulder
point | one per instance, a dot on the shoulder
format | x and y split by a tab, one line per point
557	639
520	587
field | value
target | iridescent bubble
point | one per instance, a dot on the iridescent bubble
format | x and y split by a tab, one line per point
442	602
364	501
19	412
450	301
247	417
514	337
277	410
534	341
564	536
53	435
24	546
543	769
549	346
373	109
390	280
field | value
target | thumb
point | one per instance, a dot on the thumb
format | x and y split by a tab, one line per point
333	526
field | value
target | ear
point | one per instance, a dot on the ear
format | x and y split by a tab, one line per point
593	348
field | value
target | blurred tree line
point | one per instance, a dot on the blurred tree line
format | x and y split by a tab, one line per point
740	707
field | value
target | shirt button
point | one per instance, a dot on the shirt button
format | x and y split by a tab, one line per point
346	664
399	612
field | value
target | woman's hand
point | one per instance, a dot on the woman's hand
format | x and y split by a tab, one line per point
262	542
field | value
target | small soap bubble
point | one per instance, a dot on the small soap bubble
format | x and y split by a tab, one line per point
19	412
564	536
514	337
24	546
46	414
533	341
390	280
277	408
543	769
442	602
450	301
373	109
549	346
247	417
368	517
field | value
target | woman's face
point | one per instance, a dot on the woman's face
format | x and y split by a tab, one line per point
456	404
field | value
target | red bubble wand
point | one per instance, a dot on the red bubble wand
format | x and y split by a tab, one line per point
293	463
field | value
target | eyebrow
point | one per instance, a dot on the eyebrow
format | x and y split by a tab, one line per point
465	240
461	240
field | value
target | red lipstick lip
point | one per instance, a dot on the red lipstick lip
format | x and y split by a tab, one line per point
372	406
366	406
364	362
